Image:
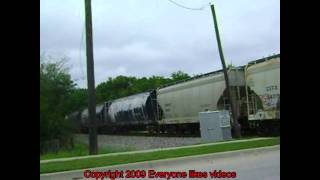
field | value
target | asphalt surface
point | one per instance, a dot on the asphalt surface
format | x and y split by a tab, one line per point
247	164
262	166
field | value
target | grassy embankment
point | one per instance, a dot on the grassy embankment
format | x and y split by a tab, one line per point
81	149
92	162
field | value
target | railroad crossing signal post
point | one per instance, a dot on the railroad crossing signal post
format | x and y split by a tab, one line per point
236	124
93	142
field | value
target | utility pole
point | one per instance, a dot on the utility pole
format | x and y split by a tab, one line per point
236	125
93	142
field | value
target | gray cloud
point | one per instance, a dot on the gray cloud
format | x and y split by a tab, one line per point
155	37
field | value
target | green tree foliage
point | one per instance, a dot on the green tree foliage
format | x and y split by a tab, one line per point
55	91
123	86
179	75
78	99
59	97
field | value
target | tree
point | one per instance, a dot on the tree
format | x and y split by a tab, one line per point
120	86
123	86
179	75
77	100
55	90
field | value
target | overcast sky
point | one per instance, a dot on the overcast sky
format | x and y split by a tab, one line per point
156	37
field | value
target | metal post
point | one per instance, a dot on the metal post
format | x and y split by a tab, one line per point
236	125
93	142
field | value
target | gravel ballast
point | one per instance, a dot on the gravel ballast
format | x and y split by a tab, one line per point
139	142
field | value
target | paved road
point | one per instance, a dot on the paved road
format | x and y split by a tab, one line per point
251	165
262	166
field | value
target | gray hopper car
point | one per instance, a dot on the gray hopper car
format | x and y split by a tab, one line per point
174	107
263	93
182	102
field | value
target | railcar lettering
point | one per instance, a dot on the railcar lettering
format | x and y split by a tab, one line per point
272	88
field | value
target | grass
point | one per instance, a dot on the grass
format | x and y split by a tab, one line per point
147	156
81	149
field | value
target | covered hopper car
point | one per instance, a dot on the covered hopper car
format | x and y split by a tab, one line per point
263	94
182	102
173	108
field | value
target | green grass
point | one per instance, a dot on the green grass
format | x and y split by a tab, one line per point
147	156
81	149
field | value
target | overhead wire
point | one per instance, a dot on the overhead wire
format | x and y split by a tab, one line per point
80	54
80	57
189	8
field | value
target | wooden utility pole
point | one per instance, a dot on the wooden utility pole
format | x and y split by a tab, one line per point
236	125
93	142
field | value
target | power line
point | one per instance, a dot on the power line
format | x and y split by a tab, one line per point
80	57
185	7
80	54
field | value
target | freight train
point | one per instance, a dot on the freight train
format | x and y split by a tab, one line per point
174	108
